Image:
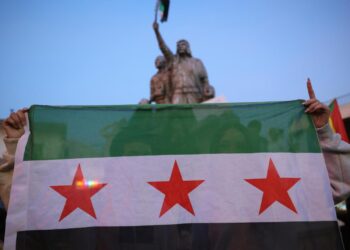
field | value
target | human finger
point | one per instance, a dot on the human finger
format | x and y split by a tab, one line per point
25	110
310	90
22	117
309	102
10	122
317	106
16	120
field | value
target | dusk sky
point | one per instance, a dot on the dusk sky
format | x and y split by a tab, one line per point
102	52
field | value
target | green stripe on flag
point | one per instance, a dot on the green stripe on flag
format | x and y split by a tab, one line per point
104	131
161	7
331	105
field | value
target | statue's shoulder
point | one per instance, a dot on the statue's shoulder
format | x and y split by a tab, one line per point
197	60
154	78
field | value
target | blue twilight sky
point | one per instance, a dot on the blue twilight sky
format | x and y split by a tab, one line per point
64	52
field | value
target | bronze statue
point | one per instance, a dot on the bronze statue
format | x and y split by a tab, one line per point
188	76
160	83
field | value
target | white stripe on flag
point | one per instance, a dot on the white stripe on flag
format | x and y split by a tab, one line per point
128	199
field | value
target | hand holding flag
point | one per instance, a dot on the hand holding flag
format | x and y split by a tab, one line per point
14	124
318	111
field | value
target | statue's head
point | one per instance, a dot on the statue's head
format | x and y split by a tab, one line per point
160	62
183	48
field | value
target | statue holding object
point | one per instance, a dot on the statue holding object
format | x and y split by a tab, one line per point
188	78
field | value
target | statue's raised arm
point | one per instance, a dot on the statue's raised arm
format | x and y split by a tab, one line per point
168	54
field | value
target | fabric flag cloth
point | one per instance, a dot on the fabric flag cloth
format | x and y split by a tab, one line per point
163	6
201	177
336	121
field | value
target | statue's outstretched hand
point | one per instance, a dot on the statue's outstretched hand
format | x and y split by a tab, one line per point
319	111
14	124
155	26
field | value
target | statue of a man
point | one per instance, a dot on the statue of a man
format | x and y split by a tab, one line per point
189	79
160	83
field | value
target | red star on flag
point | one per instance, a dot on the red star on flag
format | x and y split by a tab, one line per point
274	188
78	194
176	191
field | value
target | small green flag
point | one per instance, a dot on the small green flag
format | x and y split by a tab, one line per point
164	9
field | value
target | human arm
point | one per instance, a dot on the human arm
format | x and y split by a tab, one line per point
335	151
337	157
14	129
6	170
161	43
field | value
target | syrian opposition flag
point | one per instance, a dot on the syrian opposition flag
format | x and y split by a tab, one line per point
163	7
336	121
203	177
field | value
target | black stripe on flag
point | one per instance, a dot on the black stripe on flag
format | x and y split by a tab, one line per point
166	5
247	236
